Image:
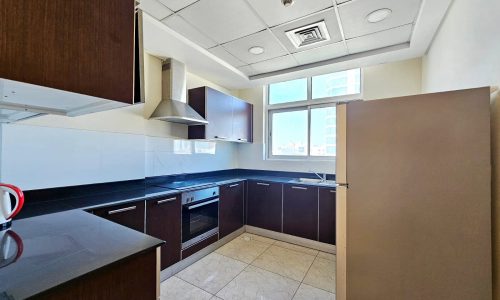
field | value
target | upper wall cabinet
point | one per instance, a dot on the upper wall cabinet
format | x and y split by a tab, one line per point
69	57
229	118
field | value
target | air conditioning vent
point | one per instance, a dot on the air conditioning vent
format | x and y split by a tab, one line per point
308	35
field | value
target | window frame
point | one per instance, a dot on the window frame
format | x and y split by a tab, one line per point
308	104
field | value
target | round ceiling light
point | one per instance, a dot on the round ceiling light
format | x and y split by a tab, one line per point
378	15
256	50
287	3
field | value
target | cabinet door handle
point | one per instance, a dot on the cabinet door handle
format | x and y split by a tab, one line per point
332	191
116	211
243	140
299	188
166	200
234	185
220	137
264	184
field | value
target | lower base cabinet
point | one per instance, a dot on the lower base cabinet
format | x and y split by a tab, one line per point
130	215
231	208
300	211
264	205
327	215
163	221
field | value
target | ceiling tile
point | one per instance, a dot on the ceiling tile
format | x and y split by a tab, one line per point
274	13
331	23
179	25
226	56
353	15
380	39
247	70
155	9
322	53
176	5
275	64
342	1
223	20
265	39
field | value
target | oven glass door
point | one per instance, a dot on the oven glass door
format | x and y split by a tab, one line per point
199	218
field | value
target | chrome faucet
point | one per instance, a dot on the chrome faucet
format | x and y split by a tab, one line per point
323	178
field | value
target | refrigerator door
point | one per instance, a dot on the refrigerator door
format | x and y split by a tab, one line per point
418	205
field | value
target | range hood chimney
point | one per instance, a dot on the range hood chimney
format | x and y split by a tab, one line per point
173	107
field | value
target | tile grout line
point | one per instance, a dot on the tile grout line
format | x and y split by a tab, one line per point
191	284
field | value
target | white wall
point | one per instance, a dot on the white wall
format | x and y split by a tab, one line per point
466	50
380	81
120	144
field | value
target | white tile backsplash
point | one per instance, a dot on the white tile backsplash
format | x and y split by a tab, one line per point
35	157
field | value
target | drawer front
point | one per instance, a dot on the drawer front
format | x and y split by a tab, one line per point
130	214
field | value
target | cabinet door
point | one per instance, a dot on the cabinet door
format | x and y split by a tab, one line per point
327	215
219	115
300	211
163	221
231	208
242	121
130	215
264	205
86	47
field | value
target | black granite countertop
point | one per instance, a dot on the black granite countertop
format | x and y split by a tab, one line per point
59	247
101	195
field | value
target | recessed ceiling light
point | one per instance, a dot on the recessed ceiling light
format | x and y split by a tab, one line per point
256	50
287	3
378	15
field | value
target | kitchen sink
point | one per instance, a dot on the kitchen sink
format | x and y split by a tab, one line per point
314	181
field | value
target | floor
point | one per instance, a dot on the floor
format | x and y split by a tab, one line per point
255	267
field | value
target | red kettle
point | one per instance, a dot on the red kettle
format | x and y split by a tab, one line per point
6	210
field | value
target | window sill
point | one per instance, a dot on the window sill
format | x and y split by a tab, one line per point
301	160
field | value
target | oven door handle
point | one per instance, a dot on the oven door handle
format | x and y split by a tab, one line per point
202	204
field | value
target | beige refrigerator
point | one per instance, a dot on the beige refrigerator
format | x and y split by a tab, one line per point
414	197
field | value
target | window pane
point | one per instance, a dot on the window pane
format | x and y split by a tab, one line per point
289	133
336	84
323	131
288	91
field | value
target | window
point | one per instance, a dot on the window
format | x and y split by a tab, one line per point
302	114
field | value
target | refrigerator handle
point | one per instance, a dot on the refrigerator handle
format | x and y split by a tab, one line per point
346	185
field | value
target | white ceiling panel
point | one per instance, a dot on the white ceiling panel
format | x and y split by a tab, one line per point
380	39
275	64
187	30
177	5
265	39
247	70
331	23
274	13
342	1
322	53
155	9
223	20
226	56
353	15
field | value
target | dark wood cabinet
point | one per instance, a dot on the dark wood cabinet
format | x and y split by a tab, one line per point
163	221
327	215
86	47
242	121
264	203
231	208
130	214
229	118
300	211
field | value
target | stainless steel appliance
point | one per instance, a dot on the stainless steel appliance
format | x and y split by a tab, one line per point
200	215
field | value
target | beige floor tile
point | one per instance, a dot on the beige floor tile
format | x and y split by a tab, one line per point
307	292
297	248
259	238
328	256
243	249
322	274
178	289
254	283
212	272
286	262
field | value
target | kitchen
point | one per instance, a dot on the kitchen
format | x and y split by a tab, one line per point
223	160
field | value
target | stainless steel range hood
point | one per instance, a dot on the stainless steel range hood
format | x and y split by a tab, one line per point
173	107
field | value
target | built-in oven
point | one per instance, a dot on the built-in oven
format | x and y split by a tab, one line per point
200	215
